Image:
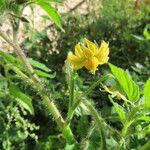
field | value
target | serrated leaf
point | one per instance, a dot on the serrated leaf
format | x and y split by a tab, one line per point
119	109
147	94
46	75
129	87
22	98
39	65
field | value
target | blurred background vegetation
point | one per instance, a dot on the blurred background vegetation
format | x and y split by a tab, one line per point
121	23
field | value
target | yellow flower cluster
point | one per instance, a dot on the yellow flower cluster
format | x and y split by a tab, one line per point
89	55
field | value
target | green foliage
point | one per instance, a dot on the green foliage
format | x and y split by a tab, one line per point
39	65
130	114
2	6
22	98
120	111
15	8
127	84
43	70
147	94
51	11
146	32
125	123
15	128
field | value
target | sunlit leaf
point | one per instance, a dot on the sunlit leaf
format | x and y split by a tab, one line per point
51	11
145	118
44	74
70	147
7	56
147	94
2	6
130	88
146	32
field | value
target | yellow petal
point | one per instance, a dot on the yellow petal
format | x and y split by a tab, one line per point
103	60
104	49
75	61
103	52
92	46
92	64
78	51
78	66
87	52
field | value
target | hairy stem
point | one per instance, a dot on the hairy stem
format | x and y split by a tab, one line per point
99	121
87	92
71	89
37	85
95	84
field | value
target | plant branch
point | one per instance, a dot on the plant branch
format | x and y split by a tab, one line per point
71	89
87	92
37	85
99	121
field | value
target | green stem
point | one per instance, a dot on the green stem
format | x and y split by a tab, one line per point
50	105
99	121
87	92
37	85
95	84
93	111
129	121
123	134
71	89
92	87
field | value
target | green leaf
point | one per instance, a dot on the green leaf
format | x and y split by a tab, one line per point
44	74
2	125
129	87
146	32
22	98
2	6
145	146
39	65
70	147
51	11
147	94
7	57
137	37
119	109
145	118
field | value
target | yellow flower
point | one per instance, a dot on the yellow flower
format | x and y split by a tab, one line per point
89	55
